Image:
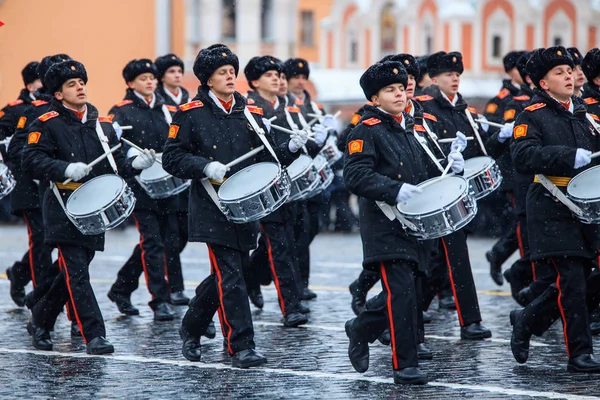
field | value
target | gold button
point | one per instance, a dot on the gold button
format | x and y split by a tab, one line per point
251	148
401	164
444	131
211	158
214	147
143	132
399	176
72	155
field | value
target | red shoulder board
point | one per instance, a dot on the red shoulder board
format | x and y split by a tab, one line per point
472	110
38	103
425	97
590	100
15	103
319	105
372	121
171	108
123	103
522	98
595	117
430	116
48	115
420	128
503	93
105	119
293	109
255	110
190	105
299	102
536	106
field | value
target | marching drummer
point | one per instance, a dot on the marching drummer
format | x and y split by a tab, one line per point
384	163
61	144
554	140
214	128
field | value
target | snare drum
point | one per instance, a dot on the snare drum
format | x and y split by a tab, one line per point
100	204
330	151
584	191
326	175
254	192
305	177
159	184
444	206
483	175
7	181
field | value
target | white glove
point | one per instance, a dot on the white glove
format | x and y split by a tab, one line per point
144	160
215	171
328	121
458	162
506	132
406	192
117	129
483	124
76	171
582	158
320	134
460	143
297	140
132	152
267	124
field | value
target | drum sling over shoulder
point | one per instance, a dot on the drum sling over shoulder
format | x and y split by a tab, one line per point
555	191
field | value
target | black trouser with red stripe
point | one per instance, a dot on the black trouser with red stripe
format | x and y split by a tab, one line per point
72	283
455	254
38	258
278	239
303	236
400	313
564	298
148	257
223	290
508	243
175	234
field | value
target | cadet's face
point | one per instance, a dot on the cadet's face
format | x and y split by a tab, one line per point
268	82
283	85
35	85
579	77
173	76
144	84
296	84
222	81
73	93
559	82
410	88
448	82
391	98
425	81
515	76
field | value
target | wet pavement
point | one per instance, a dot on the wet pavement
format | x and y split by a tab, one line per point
310	362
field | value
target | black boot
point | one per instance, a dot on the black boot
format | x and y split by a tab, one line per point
308	294
75	331
426	317
123	304
423	352
247	358
256	298
519	341
358	349
447	303
17	292
211	331
385	338
358	298
40	336
179	299
595	327
163	312
525	297
295	319
410	376
303	308
99	345
583	363
190	347
475	331
495	268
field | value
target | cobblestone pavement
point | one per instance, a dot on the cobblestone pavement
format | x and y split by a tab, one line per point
309	362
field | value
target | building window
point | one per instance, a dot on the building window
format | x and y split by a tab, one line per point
307	29
228	20
353	51
558	41
428	45
496	46
388	30
266	20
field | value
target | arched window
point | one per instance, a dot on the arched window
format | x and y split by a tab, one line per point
498	37
559	30
266	20
389	30
428	29
496	46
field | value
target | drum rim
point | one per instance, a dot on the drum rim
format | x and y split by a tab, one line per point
275	179
572	182
104	208
490	165
308	166
465	192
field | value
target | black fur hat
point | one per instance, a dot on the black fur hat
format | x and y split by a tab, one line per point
408	61
47	62
591	64
521	65
60	73
212	58
575	55
259	65
163	63
543	60
441	62
510	60
382	74
28	73
135	68
296	66
422	67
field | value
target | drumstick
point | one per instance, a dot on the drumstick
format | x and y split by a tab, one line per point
337	114
138	148
97	160
490	123
288	131
450	140
594	155
126	127
244	157
439	178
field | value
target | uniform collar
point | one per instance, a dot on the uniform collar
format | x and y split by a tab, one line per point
152	102
398	118
82	116
453	101
177	99
217	101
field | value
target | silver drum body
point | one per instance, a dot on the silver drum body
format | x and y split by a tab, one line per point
254	192
305	177
7	181
100	204
444	206
325	173
330	151
483	175
159	184
584	191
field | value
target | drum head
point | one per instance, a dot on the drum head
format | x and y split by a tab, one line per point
248	181
299	166
435	196
95	194
475	165
585	184
153	173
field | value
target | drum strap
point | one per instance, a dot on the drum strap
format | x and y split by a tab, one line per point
433	137
315	108
60	201
105	146
167	113
261	133
392	212
475	130
425	147
292	124
555	191
211	192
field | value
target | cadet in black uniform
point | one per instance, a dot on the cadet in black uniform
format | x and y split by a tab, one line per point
552	137
423	80
591	89
149	118
578	74
60	145
384	162
205	134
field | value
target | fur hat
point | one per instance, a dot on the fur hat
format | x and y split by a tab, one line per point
408	61
211	59
296	66
510	60
135	68
575	55
259	65
591	64
47	62
422	67
61	72
521	65
442	62
543	60
28	73
163	63
382	74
